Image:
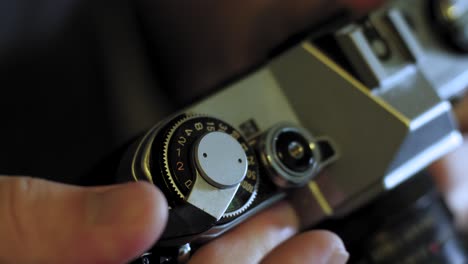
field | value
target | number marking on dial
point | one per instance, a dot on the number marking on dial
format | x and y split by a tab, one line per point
179	173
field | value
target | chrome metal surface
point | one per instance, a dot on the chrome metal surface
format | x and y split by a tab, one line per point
281	174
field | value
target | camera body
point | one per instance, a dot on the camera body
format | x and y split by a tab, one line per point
330	124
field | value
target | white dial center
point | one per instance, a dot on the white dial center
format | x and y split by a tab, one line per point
220	159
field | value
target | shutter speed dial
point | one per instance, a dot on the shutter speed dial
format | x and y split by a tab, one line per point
206	146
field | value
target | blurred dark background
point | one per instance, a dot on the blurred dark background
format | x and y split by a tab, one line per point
80	78
75	85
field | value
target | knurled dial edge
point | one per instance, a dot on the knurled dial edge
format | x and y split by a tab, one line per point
168	174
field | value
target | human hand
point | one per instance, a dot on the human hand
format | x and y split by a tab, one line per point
269	238
46	222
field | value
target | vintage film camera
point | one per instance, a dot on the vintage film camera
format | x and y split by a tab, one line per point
341	125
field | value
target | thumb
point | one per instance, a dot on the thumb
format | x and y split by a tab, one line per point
45	222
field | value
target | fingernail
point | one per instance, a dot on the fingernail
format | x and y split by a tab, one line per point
115	206
339	256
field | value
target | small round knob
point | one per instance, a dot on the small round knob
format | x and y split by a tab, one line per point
290	155
220	159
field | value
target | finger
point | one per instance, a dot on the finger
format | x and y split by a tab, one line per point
45	222
252	240
318	247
